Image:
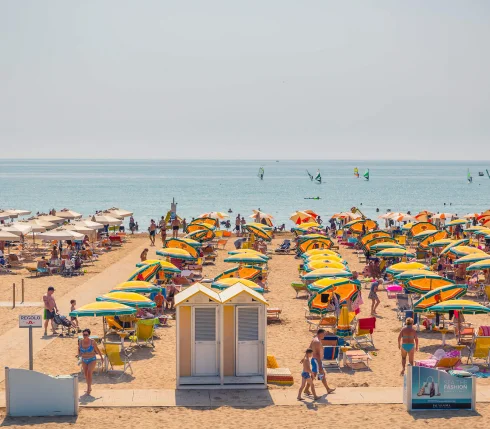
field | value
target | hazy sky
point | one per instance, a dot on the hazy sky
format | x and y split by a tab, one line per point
245	79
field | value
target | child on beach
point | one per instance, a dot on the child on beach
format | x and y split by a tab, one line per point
306	375
74	320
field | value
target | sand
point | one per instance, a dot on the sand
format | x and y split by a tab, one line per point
354	416
287	340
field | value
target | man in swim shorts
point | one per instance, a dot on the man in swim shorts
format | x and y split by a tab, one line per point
408	343
316	361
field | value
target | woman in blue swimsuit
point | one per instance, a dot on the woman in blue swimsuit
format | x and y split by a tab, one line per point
408	343
87	350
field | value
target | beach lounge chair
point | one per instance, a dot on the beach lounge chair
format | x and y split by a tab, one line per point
285	247
364	333
442	360
480	349
15	260
299	287
114	326
357	359
145	329
465	333
221	243
402	305
331	352
115	240
329	323
274	314
116	357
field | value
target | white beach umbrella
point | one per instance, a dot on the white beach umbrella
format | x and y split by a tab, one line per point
14	213
4	216
117	212
106	220
8	236
443	216
19	229
89	224
39	223
34	228
61	234
51	218
68	214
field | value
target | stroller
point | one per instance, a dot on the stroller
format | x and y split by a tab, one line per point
66	326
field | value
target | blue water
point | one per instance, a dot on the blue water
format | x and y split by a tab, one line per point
147	187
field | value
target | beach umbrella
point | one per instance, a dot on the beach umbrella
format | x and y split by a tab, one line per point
453	244
395	253
346	215
423	216
325	273
405	266
243	271
474	228
259	232
367	246
421	227
407	226
310	243
424	234
52	219
116	211
443	216
374	234
261	216
261	226
38	225
248	252
438	295
324	257
386	245
89	224
307	225
191	246
223	284
8	236
345	290
300	217
460	251
18	229
144	273
313	252
102	309
483	231
200	226
471	215
321	303
215	215
343	324
441	243
61	234
472	258
346	287
106	220
176	254
439	235
422	284
456	222
246	258
137	287
165	266
356	226
131	299
14	213
408	274
481	265
4	216
461	305
68	214
202	234
315	265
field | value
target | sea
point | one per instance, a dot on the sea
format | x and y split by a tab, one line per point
147	187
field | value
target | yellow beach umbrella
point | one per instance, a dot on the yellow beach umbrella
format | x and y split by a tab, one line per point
130	299
456	222
326	272
405	266
372	235
440	294
426	242
259	232
324	257
315	265
102	309
315	243
177	243
422	284
176	254
460	251
313	252
137	287
227	282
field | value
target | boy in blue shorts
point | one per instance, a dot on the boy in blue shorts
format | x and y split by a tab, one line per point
306	375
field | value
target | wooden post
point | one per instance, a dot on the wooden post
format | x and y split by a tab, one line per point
13	295
22	301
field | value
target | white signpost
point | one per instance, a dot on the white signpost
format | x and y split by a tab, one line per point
30	321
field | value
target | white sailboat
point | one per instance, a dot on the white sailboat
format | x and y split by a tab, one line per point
318	177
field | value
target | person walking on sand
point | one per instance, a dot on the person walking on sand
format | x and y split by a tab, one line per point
408	343
316	361
238	222
373	295
306	377
50	309
163	230
152	230
87	350
175	227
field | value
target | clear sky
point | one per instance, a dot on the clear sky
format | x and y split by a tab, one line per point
365	79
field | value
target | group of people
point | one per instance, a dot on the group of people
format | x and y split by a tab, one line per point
175	224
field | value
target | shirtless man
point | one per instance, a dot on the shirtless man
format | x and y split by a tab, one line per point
316	361
152	230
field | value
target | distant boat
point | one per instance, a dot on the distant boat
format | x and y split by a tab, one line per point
318	177
481	173
261	173
356	172
470	179
366	174
309	175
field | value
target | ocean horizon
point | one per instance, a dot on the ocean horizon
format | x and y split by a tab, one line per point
147	187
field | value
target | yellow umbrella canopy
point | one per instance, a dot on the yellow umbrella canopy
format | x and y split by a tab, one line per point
331	282
323	257
357	226
208	221
261	226
315	265
454	244
378	240
440	294
406	275
102	309
372	235
243	272
176	253
197	226
460	251
130	299
313	252
227	282
136	286
259	232
177	243
247	251
308	225
472	258
325	273
441	243
425	283
405	266
315	243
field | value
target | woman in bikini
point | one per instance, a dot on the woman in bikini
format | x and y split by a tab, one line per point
87	349
408	343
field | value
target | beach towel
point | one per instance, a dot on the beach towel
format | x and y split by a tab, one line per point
485	331
367	324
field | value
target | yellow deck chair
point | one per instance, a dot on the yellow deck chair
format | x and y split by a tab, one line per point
480	350
401	240
145	329
113	325
117	358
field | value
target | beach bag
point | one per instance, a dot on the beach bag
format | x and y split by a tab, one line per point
431	387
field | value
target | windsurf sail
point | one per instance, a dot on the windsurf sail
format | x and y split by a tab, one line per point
366	174
318	177
488	174
356	172
261	173
470	179
310	176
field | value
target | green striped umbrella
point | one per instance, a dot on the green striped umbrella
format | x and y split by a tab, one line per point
482	265
323	273
438	295
424	234
455	243
408	274
102	309
395	253
472	258
245	258
443	242
383	246
130	299
462	305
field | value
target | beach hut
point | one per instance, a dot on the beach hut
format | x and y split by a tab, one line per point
221	338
